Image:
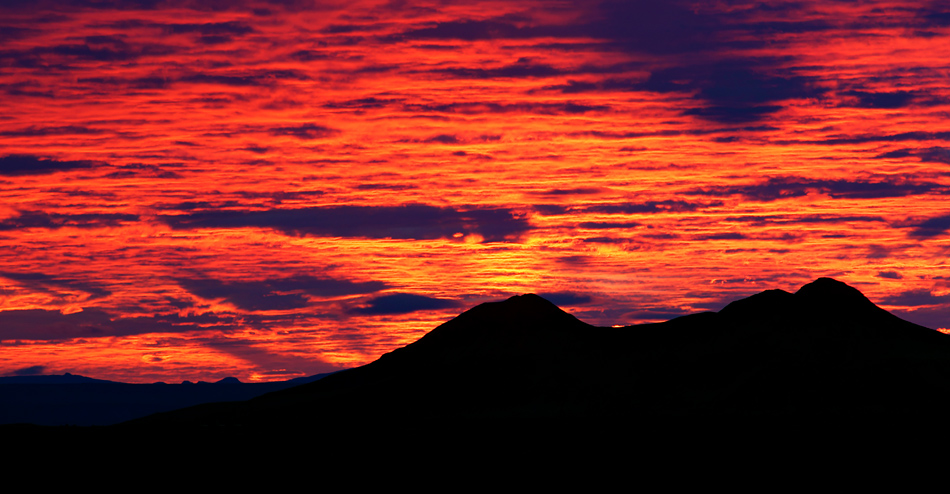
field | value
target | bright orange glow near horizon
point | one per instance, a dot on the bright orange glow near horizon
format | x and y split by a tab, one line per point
271	189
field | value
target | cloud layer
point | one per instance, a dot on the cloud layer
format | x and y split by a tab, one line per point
195	189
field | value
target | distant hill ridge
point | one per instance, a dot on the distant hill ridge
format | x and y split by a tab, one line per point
68	378
69	399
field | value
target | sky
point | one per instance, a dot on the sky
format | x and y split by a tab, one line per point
277	188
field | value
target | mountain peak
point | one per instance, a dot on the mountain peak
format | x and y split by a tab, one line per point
769	302
531	301
525	298
519	322
829	286
517	309
831	294
826	306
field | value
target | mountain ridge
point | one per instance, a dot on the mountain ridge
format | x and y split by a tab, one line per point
826	349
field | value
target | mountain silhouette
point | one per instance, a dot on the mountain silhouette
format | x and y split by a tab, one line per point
824	350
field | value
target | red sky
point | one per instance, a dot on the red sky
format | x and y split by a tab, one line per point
269	189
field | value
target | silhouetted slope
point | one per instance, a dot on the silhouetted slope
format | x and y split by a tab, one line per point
498	358
824	350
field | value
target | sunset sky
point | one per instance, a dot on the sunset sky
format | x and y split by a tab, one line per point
272	189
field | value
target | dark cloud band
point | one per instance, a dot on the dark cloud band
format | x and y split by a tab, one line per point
47	325
21	165
931	227
404	303
788	187
276	294
416	222
39	219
